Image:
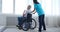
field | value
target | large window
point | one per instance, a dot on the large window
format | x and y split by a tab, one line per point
51	7
47	6
7	6
14	6
21	5
18	6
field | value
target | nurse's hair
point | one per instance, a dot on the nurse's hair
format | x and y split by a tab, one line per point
35	1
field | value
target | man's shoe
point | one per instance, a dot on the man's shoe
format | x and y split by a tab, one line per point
19	27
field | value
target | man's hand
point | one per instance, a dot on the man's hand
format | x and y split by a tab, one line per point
34	12
23	14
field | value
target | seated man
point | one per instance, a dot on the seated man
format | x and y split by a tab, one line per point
26	14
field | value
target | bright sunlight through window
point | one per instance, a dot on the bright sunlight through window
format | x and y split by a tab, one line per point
7	6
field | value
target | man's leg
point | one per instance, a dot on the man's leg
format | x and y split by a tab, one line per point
20	20
29	18
30	23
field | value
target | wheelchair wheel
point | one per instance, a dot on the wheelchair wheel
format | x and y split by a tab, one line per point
33	24
29	25
25	25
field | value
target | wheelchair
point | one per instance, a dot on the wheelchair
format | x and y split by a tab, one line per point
27	24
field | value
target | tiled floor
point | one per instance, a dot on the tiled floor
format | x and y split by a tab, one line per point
35	30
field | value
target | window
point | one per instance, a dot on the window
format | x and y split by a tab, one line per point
55	8
47	6
15	6
21	5
50	7
7	6
18	6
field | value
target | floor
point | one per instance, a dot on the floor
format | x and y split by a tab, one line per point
35	30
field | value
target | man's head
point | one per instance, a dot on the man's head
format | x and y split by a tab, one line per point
35	1
29	7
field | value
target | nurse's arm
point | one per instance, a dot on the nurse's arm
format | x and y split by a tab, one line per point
34	11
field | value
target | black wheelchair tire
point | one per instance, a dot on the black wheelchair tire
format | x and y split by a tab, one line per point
35	24
25	21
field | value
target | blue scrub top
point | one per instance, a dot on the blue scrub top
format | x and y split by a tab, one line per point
39	9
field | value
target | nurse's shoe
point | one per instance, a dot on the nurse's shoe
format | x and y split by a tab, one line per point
39	31
44	29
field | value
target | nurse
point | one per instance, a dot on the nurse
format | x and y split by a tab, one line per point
41	14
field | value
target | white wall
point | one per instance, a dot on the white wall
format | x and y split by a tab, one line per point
2	20
51	21
11	20
0	6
